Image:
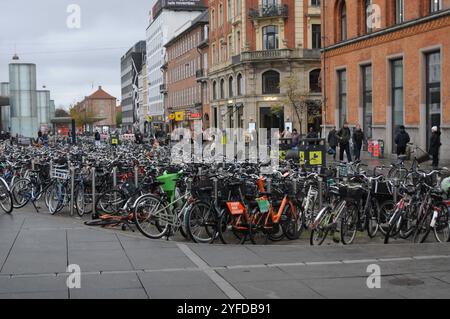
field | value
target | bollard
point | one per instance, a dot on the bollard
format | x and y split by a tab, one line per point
320	193
216	189
72	189
136	176
94	213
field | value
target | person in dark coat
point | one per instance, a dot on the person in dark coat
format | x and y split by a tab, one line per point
343	137
333	141
401	140
313	135
358	140
435	145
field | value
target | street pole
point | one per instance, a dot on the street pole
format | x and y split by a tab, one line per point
324	72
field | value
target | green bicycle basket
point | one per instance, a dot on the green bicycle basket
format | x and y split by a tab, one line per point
168	183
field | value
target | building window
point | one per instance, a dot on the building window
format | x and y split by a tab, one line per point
213	53
269	3
214	89
314	81
213	20
343	21
367	99
316	36
222	89
271	82
240	84
342	103
399	11
238	7
231	87
238	42
229	12
433	90
435	5
230	46
368	16
220	14
270	37
397	95
315	3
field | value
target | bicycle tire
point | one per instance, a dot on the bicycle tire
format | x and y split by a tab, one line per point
373	219
320	232
195	222
291	227
257	229
21	192
229	233
140	216
349	215
442	228
390	232
6	200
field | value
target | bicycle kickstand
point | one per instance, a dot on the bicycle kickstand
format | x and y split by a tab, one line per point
35	207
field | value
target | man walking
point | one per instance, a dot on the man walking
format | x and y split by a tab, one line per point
344	136
333	141
435	145
358	139
401	140
98	138
295	138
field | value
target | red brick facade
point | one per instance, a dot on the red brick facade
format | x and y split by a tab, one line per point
419	34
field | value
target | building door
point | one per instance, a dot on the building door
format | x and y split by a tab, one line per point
433	92
271	118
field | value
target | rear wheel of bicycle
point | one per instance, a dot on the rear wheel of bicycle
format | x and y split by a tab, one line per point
231	230
6	200
442	228
423	228
21	192
393	228
385	213
409	221
110	202
373	219
291	222
349	224
200	223
259	235
320	232
83	200
56	198
150	216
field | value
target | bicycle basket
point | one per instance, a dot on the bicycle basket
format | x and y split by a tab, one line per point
354	193
60	174
202	188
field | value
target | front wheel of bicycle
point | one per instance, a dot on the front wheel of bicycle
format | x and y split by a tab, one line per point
200	222
442	228
320	232
349	224
21	192
292	222
259	235
151	217
6	200
56	198
423	228
231	230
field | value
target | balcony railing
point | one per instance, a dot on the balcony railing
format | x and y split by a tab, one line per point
269	11
280	54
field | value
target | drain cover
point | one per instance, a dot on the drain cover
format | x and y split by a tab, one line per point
406	282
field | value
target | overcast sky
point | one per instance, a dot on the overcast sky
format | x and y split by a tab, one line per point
71	61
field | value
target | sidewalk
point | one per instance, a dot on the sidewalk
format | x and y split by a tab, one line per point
35	250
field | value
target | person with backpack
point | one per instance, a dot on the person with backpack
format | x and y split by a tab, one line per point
344	136
401	140
435	145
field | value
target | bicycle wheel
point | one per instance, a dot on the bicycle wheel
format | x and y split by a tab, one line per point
259	235
393	228
423	228
373	219
83	200
56	198
442	227
200	223
6	200
320	232
292	222
110	202
349	224
409	221
231	229
152	217
385	213
21	192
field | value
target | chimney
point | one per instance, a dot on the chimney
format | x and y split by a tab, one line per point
99	87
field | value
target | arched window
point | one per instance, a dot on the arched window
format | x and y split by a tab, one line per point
213	20
270	37
314	81
368	16
240	85
271	82
222	89
231	87
343	21
214	89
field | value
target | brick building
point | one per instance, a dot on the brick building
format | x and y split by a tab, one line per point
255	45
185	98
387	64
102	107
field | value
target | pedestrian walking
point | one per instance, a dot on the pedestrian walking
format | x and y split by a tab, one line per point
401	140
344	136
333	142
435	145
312	135
358	140
295	138
98	138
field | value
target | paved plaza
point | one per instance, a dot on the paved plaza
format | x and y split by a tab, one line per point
36	249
